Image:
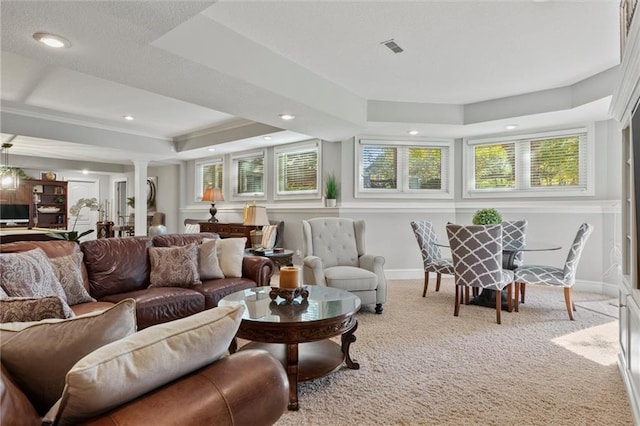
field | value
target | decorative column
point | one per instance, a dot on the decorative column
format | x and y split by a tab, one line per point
140	181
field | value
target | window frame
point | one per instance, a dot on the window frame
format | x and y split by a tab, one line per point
199	165
402	176
523	160
292	148
235	158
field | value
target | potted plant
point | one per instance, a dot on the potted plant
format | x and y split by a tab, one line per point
331	190
487	217
74	210
131	202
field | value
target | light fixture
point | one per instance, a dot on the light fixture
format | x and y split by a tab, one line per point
267	138
256	216
511	126
213	195
287	116
413	132
211	149
85	172
128	117
52	40
8	175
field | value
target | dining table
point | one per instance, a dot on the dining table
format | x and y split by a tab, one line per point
510	250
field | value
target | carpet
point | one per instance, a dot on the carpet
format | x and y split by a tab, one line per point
420	365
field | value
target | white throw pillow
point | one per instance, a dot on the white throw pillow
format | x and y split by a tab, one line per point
269	234
230	255
208	264
130	367
191	228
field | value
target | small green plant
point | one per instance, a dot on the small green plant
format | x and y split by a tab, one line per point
331	187
487	217
131	202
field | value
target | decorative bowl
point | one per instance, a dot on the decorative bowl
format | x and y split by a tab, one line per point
48	209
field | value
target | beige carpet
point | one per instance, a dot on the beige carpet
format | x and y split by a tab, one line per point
420	365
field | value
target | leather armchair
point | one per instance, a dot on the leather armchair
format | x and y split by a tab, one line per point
334	256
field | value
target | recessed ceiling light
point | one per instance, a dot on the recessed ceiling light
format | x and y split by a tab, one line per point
413	132
287	116
128	117
511	126
267	138
211	149
85	172
52	40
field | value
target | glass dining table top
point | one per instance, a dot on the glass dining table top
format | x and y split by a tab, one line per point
516	246
322	303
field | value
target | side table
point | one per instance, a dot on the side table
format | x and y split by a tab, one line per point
279	258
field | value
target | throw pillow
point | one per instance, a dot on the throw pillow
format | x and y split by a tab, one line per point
68	270
126	369
39	354
230	255
208	265
191	228
21	309
269	234
174	266
29	274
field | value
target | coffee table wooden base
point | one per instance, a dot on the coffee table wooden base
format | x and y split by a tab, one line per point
305	361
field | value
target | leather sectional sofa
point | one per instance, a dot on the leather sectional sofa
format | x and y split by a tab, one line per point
228	391
119	268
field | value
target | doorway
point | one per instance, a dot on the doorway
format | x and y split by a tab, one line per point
86	218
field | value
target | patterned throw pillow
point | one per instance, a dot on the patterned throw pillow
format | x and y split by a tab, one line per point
68	270
230	255
208	264
174	266
29	274
21	309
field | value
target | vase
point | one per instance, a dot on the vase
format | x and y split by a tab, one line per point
330	202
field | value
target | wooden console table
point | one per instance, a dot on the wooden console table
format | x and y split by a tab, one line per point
229	230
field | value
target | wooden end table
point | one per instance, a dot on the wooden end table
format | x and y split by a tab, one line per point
279	258
298	333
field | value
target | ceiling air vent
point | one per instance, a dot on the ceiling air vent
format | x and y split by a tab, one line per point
393	46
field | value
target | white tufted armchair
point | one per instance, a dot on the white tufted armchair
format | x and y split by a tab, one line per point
334	256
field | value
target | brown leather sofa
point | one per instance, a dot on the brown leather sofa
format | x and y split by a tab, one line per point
119	268
247	388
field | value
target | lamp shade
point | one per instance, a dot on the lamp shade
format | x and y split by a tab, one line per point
212	194
256	216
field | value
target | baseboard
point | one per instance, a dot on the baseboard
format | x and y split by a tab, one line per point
634	400
607	289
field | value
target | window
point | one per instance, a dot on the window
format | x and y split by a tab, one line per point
554	163
249	175
404	168
297	169
208	175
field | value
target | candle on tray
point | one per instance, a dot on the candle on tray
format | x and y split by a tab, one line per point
288	277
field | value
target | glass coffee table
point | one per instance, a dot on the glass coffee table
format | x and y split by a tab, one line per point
298	333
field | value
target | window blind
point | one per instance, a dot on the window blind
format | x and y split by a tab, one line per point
298	171
250	175
380	167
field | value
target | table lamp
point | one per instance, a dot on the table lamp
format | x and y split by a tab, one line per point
256	216
213	195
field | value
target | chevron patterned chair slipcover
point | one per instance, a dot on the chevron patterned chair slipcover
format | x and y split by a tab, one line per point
477	261
431	257
559	277
514	232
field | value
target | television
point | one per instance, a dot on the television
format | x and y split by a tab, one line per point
14	214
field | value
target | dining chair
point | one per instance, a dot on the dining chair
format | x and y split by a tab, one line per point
431	257
559	277
514	232
477	262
